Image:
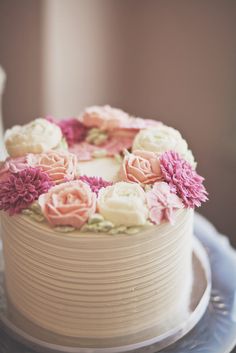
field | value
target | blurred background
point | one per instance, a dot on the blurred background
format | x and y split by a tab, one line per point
164	59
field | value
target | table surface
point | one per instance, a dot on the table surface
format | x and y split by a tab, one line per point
216	332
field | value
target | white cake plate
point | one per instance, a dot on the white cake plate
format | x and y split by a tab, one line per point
44	341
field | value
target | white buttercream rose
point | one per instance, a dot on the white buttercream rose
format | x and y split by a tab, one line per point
161	139
36	137
123	204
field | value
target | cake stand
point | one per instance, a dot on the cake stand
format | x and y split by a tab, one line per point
216	331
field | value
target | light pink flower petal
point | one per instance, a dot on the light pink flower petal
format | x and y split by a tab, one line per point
156	215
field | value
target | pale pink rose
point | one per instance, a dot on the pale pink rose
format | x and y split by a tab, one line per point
136	124
141	167
60	166
111	119
162	203
68	204
105	118
12	166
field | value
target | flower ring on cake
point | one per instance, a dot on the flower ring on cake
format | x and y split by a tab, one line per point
123	204
60	166
163	138
68	204
141	167
36	137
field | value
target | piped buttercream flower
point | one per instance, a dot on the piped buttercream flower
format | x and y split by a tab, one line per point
141	167
22	188
161	139
12	166
72	129
123	204
38	136
114	120
60	166
162	203
68	204
104	118
95	183
183	179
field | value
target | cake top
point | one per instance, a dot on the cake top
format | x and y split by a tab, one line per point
104	171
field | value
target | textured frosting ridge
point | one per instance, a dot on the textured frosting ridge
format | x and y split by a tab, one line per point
94	285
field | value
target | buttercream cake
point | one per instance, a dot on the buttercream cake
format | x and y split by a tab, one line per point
97	217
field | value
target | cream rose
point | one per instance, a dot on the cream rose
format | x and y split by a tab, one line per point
36	137
68	204
161	139
60	166
123	204
141	167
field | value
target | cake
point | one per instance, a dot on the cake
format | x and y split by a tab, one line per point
97	218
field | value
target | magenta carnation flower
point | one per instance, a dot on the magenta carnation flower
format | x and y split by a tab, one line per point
95	183
183	179
72	129
22	188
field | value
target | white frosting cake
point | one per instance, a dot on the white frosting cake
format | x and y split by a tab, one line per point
98	286
98	240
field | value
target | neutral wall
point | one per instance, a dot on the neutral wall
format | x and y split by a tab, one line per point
171	60
21	57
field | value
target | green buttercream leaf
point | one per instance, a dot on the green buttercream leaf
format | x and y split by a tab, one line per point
99	153
37	217
35	207
27	212
132	230
118	158
96	137
64	229
95	218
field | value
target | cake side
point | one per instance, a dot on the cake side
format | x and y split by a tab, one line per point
95	285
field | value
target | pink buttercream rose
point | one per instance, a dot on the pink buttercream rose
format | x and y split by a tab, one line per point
68	204
60	166
113	119
105	118
12	166
141	167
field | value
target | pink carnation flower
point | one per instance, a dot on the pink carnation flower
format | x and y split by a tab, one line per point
183	179
23	188
162	202
72	129
95	183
